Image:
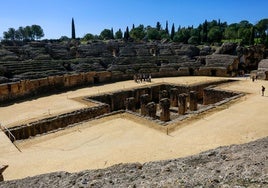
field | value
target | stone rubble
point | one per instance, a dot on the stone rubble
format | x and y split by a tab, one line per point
240	166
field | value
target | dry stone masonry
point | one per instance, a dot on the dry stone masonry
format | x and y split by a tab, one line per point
143	102
29	69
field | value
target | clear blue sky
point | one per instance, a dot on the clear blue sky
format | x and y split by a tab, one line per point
92	16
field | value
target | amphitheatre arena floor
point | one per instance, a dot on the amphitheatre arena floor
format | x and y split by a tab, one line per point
120	139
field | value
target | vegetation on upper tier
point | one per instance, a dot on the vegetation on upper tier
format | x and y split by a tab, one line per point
209	32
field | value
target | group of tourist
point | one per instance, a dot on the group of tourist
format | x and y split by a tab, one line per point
254	78
142	77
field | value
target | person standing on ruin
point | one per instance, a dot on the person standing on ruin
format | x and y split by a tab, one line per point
262	90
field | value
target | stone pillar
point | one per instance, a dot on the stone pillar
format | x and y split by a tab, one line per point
151	110
182	103
165	113
144	100
111	97
193	101
27	132
163	94
174	97
130	104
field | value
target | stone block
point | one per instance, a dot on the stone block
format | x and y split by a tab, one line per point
182	104
193	101
174	97
151	110
144	99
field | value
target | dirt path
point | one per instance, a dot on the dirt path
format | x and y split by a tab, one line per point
116	139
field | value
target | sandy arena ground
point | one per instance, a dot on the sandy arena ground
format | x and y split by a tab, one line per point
120	139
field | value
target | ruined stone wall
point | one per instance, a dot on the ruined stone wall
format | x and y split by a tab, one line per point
25	88
61	121
166	74
212	95
102	77
212	71
184	71
199	87
116	100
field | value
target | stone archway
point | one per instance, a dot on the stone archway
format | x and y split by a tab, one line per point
191	71
213	72
96	80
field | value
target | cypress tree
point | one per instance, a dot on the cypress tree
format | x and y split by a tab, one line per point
172	32
252	36
158	26
167	27
219	22
73	29
112	33
126	34
205	32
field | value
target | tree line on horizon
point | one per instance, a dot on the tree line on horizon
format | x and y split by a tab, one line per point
209	32
33	32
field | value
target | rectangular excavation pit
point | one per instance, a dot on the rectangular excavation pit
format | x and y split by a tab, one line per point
147	100
181	100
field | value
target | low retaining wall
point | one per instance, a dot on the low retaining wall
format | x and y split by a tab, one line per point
26	88
212	95
57	122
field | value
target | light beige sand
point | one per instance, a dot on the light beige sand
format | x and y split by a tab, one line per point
59	103
117	139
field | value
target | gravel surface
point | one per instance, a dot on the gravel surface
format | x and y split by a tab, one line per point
238	166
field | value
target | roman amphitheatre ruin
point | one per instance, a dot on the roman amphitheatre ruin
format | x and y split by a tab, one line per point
110	119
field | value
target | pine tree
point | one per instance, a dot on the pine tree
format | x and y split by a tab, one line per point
73	29
172	34
118	34
167	27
